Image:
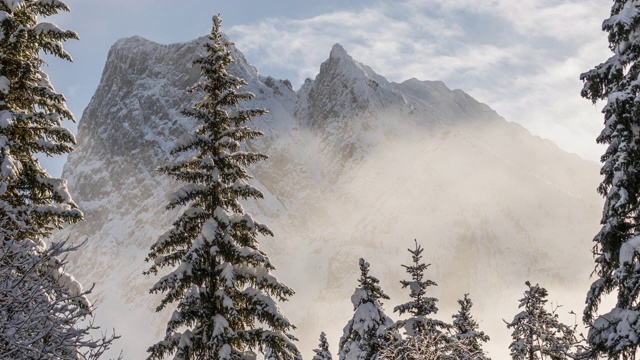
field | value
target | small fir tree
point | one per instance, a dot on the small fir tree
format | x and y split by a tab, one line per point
322	352
42	307
221	280
467	333
538	334
420	306
370	329
616	333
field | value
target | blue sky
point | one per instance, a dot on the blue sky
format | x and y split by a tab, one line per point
523	58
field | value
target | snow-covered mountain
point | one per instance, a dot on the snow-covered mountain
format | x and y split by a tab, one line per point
359	167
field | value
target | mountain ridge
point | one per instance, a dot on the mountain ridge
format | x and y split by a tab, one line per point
355	170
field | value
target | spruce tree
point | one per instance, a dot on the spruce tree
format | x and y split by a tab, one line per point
467	333
322	352
42	307
537	333
617	333
421	305
221	281
370	329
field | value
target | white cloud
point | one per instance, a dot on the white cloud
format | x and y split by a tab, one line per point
522	58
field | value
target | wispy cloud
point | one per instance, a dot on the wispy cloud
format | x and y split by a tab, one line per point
522	58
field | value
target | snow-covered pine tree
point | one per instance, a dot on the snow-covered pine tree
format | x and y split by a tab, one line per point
322	352
467	333
428	346
42	307
221	281
420	306
537	333
617	332
370	329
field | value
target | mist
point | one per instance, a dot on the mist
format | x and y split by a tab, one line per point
490	214
493	205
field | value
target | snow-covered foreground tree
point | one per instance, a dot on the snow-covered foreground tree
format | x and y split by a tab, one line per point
537	333
220	279
370	329
420	306
467	333
616	333
322	352
41	306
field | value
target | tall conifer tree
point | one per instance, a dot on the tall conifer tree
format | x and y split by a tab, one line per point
221	280
41	306
616	333
370	329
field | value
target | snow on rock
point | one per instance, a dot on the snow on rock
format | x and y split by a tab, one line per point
337	51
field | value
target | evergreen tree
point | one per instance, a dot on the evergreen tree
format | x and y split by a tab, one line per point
423	346
370	329
538	334
322	352
617	333
221	280
42	307
467	333
31	114
420	306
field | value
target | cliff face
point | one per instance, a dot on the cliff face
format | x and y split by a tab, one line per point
359	167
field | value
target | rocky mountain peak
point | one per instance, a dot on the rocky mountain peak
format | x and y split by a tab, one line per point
364	90
340	65
337	51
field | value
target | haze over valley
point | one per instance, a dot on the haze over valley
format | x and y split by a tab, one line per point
358	167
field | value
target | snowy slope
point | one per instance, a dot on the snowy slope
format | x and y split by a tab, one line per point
359	167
